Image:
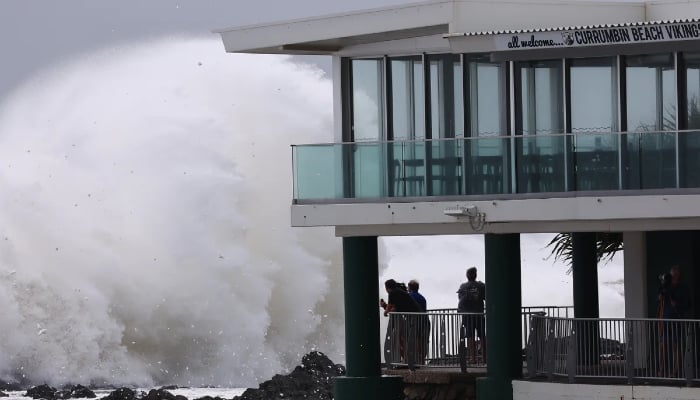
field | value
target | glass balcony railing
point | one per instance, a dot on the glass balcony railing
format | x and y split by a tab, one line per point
498	165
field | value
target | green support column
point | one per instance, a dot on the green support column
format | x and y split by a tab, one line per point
503	319
362	348
584	264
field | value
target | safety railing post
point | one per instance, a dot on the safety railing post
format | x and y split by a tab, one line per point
533	346
629	351
689	353
572	353
549	349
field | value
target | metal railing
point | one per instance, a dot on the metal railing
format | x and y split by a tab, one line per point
613	349
497	165
436	338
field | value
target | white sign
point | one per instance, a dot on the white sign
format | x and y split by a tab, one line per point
599	36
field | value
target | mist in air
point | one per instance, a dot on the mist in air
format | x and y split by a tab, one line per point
144	223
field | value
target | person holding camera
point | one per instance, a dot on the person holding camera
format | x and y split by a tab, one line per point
672	304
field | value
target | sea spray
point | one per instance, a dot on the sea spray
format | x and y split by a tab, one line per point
144	219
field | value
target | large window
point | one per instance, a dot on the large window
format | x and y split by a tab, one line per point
486	103
690	141
539	106
369	171
593	112
367	100
651	113
446	97
408	99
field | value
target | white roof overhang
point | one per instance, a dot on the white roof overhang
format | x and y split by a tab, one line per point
329	34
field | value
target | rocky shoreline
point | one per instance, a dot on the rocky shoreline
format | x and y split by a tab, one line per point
312	380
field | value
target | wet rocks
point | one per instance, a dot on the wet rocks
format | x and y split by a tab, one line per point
75	392
122	394
41	392
162	394
70	392
312	380
210	398
3	394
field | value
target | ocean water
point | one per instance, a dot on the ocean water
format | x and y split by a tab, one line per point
190	393
144	220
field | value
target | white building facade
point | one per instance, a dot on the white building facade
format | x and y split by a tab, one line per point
501	118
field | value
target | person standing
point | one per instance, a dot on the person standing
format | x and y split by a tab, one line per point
422	321
672	304
472	295
400	301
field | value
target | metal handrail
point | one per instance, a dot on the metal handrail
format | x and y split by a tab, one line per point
623	349
469	138
437	338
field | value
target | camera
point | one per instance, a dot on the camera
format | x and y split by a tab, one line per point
665	280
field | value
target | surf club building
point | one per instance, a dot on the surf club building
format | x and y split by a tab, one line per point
505	117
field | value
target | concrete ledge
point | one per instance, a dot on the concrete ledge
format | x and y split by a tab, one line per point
525	390
439	376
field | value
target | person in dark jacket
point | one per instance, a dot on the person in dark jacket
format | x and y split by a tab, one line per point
402	327
471	296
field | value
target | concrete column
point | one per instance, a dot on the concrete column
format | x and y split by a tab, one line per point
503	320
636	292
362	348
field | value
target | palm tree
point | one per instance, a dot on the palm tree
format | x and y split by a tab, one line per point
607	245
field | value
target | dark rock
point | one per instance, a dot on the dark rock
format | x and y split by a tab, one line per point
41	392
162	394
210	398
312	380
77	392
121	394
3	394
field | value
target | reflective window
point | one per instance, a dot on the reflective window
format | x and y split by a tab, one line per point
486	109
408	99
593	93
539	106
651	93
690	141
651	109
446	97
367	100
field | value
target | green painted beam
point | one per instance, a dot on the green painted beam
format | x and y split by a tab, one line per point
362	345
503	319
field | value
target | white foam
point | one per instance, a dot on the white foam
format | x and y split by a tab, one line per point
144	205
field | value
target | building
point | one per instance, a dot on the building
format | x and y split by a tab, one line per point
500	118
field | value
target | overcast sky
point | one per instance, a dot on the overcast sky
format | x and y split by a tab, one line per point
36	34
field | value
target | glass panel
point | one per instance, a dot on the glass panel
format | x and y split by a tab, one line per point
486	91
593	94
367	100
690	142
652	160
445	166
541	166
458	95
487	166
410	169
446	98
651	93
651	107
317	172
539	105
369	165
408	99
